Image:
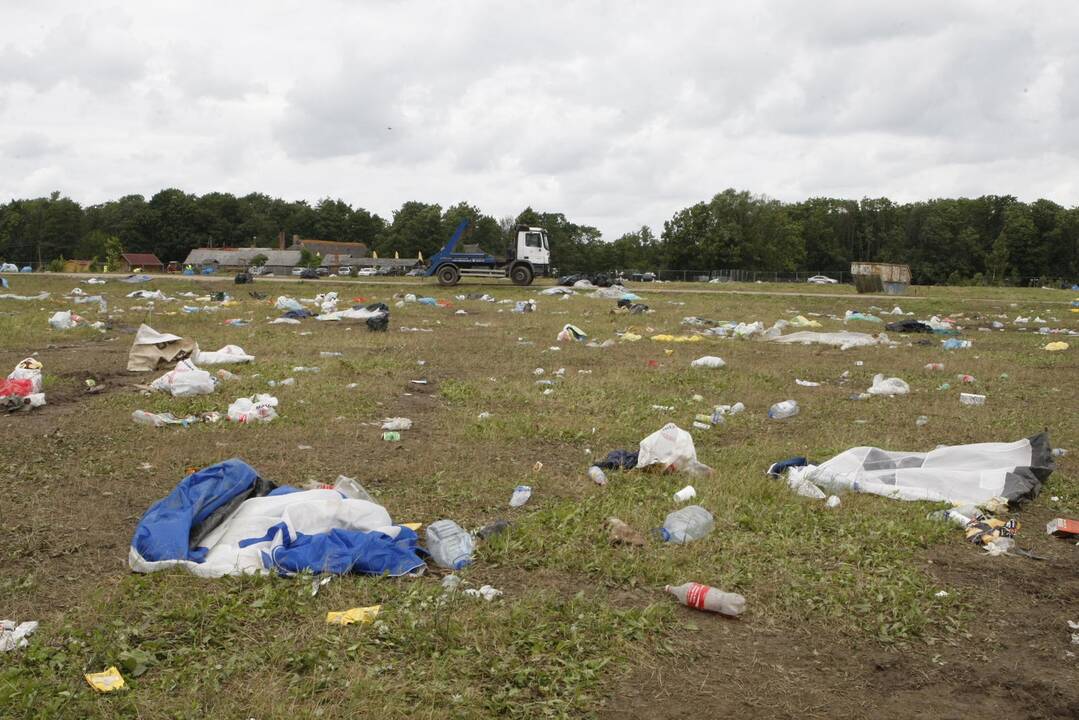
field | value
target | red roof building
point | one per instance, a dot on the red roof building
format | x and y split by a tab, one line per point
146	261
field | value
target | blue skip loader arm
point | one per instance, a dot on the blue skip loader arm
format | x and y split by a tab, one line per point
449	254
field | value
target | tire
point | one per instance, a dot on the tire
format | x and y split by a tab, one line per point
448	275
521	275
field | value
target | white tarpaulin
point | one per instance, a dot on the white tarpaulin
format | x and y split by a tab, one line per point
958	473
224	356
842	340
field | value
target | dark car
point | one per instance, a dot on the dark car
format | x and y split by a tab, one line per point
309	274
322	272
244	278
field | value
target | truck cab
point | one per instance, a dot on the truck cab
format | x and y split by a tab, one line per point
528	255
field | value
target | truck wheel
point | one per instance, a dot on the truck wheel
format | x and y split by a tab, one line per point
448	275
521	275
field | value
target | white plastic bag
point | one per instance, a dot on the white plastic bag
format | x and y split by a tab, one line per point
259	408
708	361
889	386
670	446
185	380
64	320
284	302
28	369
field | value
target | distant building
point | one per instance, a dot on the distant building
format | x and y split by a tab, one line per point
237	259
77	266
144	261
326	248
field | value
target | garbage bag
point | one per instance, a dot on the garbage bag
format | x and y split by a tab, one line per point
708	361
286	303
64	320
258	408
888	386
185	380
670	446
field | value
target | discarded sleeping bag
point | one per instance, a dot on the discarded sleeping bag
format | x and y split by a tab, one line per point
152	349
618	460
226	520
908	326
298	314
958	474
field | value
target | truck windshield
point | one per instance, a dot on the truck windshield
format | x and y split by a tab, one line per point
534	240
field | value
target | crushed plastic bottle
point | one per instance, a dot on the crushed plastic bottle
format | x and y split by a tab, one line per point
350	488
703	597
520	496
782	410
449	545
687	524
597	475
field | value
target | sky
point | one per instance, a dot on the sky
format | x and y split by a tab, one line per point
617	114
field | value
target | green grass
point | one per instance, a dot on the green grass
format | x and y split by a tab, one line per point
578	613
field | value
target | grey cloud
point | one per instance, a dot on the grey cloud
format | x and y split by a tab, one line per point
100	57
30	146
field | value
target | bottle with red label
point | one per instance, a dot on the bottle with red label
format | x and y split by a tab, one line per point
703	597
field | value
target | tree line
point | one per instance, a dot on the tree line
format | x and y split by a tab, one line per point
985	239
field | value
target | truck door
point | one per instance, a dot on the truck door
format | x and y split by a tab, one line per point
532	249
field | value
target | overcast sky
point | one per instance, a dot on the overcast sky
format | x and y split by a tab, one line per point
615	113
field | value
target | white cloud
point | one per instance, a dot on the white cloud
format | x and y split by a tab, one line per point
614	113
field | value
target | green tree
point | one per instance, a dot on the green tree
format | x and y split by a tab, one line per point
260	260
113	250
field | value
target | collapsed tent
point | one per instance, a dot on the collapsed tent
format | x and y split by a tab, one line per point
842	340
152	349
958	474
227	520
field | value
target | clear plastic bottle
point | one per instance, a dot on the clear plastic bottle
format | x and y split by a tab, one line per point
520	495
147	418
596	473
689	523
781	410
450	546
703	597
351	489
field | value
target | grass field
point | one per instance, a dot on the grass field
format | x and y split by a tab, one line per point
844	618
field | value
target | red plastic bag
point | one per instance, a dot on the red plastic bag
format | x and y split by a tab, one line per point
21	388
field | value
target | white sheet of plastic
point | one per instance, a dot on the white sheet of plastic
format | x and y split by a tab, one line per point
185	380
350	314
959	473
842	340
309	512
557	290
39	296
224	356
284	302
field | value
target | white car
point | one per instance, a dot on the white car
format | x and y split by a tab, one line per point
821	280
344	271
297	270
366	272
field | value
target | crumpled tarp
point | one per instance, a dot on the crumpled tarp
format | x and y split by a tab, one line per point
226	520
959	473
842	340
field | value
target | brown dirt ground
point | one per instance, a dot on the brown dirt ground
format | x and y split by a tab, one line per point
1012	661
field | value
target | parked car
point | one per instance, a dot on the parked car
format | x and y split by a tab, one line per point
344	271
322	272
643	277
298	271
366	272
821	280
416	272
308	274
258	270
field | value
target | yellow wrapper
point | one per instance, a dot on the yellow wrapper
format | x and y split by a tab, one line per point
353	615
106	681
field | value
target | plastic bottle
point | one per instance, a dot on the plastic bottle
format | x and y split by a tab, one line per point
351	489
449	545
520	495
703	597
689	523
781	410
596	473
686	493
147	418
